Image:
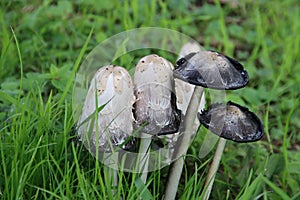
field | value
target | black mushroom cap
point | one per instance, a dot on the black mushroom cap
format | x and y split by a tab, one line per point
211	69
232	121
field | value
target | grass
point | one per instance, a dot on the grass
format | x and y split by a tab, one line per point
42	45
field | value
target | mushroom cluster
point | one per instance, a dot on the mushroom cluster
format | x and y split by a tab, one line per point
162	103
117	106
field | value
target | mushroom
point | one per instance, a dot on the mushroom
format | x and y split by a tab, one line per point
211	69
155	109
110	96
232	121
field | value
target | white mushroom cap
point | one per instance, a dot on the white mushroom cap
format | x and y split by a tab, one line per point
154	83
153	69
111	85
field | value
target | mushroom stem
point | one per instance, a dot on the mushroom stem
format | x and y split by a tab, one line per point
144	149
213	168
115	181
183	144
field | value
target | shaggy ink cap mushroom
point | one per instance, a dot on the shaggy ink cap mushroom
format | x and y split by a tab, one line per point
211	69
232	121
113	88
155	109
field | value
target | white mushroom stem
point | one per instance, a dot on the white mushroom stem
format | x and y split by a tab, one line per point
183	144
113	174
213	168
144	156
